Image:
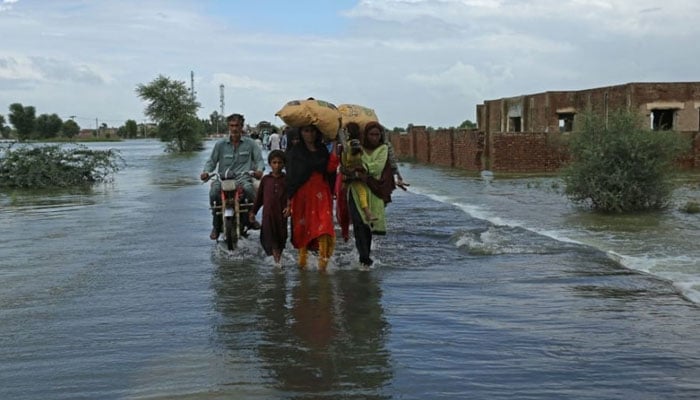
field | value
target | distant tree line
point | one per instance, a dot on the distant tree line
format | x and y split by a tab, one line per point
171	107
28	126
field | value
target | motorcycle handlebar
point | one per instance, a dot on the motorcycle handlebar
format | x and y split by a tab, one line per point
218	176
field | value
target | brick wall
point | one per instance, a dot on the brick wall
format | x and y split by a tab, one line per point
541	148
505	152
441	145
465	149
468	148
526	152
421	144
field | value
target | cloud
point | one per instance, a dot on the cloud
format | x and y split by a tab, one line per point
48	70
18	68
414	61
6	5
459	77
240	82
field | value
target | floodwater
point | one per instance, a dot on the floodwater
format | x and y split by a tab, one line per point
483	289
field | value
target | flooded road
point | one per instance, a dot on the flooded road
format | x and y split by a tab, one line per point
480	290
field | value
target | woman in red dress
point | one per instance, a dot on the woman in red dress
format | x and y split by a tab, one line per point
308	165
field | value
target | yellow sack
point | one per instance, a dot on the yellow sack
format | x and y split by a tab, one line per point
324	115
357	114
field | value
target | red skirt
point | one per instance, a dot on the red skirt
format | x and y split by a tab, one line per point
312	212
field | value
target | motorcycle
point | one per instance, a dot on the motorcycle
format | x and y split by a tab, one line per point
233	209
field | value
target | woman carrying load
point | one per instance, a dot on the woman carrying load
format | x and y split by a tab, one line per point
311	204
374	158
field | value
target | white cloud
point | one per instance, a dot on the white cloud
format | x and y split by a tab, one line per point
6	5
414	61
240	82
17	68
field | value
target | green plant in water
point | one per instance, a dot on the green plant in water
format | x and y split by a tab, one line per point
56	166
619	166
691	207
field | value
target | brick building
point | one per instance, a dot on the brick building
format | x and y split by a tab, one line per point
528	133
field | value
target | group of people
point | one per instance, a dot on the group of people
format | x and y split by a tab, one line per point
305	181
270	141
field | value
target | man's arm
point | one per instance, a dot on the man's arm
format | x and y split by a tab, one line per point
210	164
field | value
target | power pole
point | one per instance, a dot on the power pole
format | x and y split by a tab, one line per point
221	103
221	98
192	92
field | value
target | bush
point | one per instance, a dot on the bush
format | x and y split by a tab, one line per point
55	166
620	166
691	207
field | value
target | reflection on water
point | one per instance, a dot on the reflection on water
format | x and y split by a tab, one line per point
47	199
312	333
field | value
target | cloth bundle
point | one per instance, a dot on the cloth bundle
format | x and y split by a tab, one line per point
358	114
324	115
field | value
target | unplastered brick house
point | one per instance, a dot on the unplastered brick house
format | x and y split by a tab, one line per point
528	133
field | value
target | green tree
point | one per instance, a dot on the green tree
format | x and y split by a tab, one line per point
4	129
70	129
23	119
131	128
217	123
174	109
48	126
618	165
467	125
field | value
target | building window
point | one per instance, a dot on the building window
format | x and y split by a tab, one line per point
514	124
566	122
662	120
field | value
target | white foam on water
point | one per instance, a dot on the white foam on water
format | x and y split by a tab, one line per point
681	271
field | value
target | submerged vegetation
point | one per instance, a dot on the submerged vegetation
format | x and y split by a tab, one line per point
691	207
620	166
56	166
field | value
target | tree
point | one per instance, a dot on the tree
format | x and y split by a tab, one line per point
174	109
467	125
24	120
618	165
70	129
131	128
217	122
48	126
4	130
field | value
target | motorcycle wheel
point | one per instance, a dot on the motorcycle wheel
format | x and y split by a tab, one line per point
230	229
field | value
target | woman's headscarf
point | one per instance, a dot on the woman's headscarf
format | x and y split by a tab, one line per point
301	162
368	127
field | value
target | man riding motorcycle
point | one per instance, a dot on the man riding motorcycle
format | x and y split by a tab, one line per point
237	154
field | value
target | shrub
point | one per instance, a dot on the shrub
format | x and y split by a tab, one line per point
618	165
55	166
691	207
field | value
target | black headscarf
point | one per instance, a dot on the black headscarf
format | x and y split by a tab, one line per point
301	162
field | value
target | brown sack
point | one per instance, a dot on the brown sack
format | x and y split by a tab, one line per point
357	114
324	115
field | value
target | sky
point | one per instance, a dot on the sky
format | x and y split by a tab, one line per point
420	62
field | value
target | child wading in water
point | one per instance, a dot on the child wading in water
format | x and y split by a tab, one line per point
272	197
352	167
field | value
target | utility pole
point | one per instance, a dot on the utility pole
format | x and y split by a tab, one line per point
192	92
221	103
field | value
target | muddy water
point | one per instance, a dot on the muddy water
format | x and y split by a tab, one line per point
482	289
